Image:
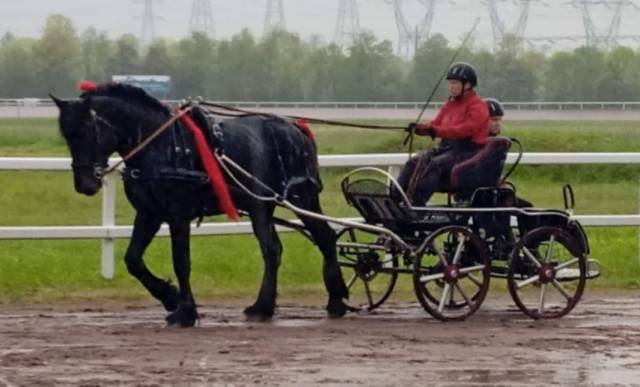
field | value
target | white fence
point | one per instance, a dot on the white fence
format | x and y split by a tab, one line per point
108	231
23	105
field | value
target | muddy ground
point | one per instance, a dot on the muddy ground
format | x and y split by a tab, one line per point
400	345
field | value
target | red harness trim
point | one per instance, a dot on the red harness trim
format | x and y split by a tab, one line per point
306	129
212	168
87	86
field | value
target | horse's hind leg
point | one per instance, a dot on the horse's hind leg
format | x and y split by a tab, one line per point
144	229
271	247
325	237
186	313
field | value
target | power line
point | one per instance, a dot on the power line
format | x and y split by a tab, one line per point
348	24
274	19
202	18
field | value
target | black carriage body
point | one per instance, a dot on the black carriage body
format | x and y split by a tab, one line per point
491	212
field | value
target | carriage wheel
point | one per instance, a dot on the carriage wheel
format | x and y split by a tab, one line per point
547	273
451	273
370	274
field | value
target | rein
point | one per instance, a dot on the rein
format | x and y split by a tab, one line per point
308	119
147	140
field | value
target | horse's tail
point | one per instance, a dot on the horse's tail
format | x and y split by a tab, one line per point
304	127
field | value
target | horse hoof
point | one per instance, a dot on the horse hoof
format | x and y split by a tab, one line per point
170	300
182	318
337	308
256	313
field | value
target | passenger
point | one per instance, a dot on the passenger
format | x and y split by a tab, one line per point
496	112
461	123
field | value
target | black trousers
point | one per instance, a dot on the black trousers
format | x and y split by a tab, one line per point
432	170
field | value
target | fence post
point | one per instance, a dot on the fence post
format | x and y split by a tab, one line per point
108	220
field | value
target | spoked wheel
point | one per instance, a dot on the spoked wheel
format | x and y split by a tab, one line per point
451	273
369	271
547	273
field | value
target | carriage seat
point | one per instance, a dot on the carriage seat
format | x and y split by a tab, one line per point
482	170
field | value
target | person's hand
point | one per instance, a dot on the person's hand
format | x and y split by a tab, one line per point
431	133
411	128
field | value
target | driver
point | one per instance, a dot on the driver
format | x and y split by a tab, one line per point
461	123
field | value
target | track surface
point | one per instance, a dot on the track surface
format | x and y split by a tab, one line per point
597	345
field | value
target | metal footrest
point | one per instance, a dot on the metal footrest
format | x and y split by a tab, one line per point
593	271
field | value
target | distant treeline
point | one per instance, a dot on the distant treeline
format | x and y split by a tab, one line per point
283	67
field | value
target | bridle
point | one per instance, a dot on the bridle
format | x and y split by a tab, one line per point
97	166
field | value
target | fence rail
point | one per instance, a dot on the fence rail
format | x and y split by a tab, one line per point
108	231
511	105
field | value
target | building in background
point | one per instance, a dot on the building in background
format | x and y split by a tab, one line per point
158	86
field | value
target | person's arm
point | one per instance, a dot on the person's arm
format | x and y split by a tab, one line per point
476	118
423	127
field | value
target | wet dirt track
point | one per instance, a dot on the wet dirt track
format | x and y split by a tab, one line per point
597	345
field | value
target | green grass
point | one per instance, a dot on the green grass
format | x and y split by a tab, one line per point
227	267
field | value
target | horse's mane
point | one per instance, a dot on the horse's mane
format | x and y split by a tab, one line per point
127	92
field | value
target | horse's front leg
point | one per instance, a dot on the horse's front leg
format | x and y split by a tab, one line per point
144	229
186	314
271	247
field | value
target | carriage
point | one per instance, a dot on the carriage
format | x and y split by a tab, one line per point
452	251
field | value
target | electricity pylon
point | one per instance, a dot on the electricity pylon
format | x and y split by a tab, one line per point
202	18
274	19
348	24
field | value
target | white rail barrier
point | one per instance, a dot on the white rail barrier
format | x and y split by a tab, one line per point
26	107
109	231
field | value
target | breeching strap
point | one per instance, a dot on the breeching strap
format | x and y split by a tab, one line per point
147	140
212	167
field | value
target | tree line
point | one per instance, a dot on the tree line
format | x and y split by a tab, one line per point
283	67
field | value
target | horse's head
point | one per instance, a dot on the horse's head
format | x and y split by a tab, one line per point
90	140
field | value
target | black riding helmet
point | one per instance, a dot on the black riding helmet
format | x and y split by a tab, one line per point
463	72
495	107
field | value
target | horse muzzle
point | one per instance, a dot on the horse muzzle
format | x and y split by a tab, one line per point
88	185
87	177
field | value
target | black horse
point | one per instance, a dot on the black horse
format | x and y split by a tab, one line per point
164	182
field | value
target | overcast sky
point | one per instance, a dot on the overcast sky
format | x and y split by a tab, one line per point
306	17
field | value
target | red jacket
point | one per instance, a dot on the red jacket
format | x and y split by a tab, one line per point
464	118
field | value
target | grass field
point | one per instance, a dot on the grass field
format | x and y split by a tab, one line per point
230	266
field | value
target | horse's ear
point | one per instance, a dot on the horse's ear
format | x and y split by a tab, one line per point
59	103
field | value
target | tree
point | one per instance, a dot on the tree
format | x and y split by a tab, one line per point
282	58
511	78
125	58
622	76
238	67
320	72
158	59
429	65
371	72
57	56
96	51
196	66
575	76
17	71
